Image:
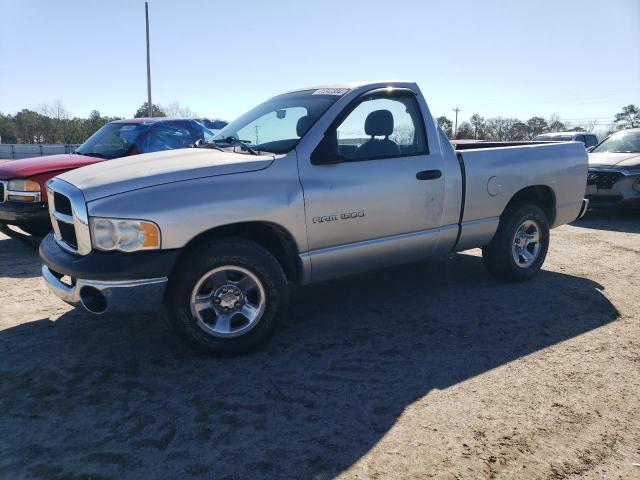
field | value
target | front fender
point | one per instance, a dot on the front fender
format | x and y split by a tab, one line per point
183	210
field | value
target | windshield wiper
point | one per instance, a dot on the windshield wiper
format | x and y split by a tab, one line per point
90	154
234	141
201	144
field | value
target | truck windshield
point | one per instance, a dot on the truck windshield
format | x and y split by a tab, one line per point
277	125
113	140
621	142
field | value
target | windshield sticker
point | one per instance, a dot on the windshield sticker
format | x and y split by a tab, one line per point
331	91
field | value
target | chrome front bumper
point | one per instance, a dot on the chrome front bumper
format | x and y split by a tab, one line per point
96	296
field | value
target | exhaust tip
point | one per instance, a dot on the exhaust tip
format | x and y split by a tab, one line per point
93	300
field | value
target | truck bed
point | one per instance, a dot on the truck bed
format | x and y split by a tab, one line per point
494	172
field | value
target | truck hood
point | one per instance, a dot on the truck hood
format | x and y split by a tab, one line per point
153	169
27	167
606	159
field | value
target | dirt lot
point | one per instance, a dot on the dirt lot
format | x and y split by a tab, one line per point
429	371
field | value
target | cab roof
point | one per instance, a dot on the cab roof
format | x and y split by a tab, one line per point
348	85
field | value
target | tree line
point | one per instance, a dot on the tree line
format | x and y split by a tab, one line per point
513	129
52	123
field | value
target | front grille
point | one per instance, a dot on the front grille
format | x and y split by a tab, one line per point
603	180
68	211
62	203
68	234
1	192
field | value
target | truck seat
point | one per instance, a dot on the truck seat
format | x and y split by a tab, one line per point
378	124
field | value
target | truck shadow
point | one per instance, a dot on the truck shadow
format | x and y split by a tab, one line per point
110	397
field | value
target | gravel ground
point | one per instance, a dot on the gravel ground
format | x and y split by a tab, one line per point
429	371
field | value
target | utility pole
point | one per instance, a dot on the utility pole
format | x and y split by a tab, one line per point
257	138
455	130
146	16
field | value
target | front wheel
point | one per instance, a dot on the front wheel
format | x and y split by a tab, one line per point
519	247
227	296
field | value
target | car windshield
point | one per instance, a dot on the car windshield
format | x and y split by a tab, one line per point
213	124
113	140
621	142
118	139
277	125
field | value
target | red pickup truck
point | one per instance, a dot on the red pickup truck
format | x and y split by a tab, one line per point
23	197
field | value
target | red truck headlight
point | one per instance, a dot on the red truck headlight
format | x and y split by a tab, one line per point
23	191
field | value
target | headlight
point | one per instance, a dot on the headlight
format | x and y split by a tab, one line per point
23	191
636	185
123	234
23	186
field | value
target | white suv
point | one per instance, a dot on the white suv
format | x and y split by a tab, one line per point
589	139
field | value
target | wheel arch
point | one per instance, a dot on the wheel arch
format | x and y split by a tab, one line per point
542	196
274	238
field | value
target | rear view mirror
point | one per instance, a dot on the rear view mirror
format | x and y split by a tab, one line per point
281	114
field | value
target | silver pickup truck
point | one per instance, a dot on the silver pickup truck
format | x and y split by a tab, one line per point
309	186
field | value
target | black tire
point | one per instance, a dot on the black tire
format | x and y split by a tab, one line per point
207	256
498	256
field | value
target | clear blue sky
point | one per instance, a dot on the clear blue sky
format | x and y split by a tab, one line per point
579	59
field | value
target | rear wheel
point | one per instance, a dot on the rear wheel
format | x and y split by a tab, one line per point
519	247
227	296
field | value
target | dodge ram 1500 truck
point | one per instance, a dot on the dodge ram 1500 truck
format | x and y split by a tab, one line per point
309	186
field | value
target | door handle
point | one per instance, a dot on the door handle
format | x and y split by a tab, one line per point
428	174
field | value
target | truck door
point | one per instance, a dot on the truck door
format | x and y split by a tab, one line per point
373	190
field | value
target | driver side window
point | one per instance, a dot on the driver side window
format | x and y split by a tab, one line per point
380	126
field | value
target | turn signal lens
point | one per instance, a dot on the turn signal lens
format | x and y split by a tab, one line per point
23	186
151	235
